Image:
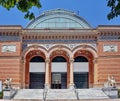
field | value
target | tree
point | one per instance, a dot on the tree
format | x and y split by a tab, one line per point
115	8
22	5
26	5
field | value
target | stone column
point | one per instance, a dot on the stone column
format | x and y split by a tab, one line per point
71	73
47	73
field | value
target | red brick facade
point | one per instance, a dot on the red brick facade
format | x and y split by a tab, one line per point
101	64
51	38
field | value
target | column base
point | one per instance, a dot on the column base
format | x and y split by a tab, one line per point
47	86
71	86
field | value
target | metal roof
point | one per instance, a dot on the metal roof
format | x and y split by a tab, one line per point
58	19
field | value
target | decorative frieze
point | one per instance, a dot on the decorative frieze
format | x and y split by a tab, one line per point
60	40
9	48
60	46
110	48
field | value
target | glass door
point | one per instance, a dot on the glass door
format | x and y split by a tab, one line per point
56	81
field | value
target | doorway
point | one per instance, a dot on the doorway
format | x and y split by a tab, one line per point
59	73
81	71
37	73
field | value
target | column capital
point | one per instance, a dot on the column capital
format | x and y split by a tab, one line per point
47	60
95	60
71	59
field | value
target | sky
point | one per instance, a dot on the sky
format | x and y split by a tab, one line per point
93	11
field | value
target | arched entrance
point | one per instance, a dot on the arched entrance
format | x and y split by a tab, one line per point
35	70
83	69
59	69
59	73
37	73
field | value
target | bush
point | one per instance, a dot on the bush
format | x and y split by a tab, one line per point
118	93
1	95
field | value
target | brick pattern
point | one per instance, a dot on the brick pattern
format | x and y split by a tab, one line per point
108	67
10	68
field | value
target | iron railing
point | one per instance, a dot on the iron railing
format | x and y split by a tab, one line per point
76	92
45	93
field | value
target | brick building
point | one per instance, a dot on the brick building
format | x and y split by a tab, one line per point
59	49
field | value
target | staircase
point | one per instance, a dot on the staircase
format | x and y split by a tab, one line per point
29	94
92	93
60	94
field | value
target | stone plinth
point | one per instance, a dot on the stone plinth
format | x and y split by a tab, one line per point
111	92
9	93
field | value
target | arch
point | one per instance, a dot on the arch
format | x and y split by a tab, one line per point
60	47
28	57
80	59
87	48
37	59
59	67
89	56
59	59
54	53
62	53
32	48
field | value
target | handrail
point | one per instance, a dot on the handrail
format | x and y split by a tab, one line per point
76	92
45	93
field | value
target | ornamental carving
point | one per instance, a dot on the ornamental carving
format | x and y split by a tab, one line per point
59	53
85	53
34	53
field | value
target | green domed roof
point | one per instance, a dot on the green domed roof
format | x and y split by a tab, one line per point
58	18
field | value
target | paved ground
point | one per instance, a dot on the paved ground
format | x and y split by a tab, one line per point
65	100
61	94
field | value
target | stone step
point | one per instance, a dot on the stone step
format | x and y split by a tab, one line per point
91	94
57	94
61	94
29	94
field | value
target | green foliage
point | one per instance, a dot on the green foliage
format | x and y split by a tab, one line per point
118	93
115	8
22	5
1	95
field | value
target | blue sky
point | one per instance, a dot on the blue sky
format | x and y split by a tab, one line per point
93	11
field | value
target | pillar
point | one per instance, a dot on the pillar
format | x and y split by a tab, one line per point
71	73
47	85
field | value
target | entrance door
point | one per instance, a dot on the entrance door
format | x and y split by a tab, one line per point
56	81
59	73
59	81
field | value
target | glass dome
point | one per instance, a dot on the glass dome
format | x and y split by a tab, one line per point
58	19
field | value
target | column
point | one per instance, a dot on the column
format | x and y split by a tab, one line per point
71	73
47	73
